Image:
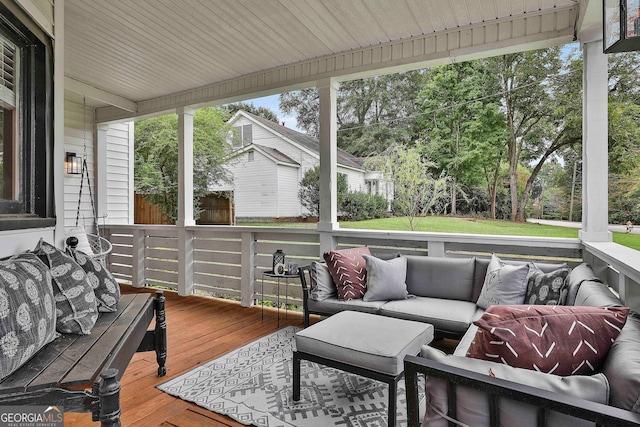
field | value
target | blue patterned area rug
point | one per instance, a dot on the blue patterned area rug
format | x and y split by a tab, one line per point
253	385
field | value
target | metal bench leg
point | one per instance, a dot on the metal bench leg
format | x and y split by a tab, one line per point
109	393
296	376
161	333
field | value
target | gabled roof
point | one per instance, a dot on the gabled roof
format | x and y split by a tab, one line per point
277	155
309	143
272	153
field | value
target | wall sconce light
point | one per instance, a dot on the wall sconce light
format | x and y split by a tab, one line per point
621	22
73	164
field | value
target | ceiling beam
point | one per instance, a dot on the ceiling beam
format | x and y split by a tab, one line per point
92	92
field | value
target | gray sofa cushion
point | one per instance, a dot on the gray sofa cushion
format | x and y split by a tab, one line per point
445	315
622	366
579	274
333	305
473	405
596	294
438	277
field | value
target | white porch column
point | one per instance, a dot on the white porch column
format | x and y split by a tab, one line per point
100	150
185	167
595	168
328	220
185	200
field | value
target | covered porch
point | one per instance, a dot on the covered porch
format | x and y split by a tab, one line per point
310	45
115	63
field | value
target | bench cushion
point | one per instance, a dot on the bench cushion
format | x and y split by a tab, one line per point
445	315
368	341
333	305
27	314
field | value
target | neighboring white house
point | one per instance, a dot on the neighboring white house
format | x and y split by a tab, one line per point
270	161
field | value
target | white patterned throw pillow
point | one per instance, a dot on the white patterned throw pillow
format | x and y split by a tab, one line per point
75	300
101	280
27	315
503	284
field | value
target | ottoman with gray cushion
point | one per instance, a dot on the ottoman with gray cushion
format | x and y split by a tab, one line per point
364	344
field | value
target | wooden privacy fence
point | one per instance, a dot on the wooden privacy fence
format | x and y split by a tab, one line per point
146	212
216	210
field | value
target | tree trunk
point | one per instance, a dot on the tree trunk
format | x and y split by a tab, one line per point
454	196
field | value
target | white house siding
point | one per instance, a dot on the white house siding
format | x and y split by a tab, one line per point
288	204
262	136
255	187
74	140
119	173
355	179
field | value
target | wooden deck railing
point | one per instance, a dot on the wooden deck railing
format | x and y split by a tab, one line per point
229	261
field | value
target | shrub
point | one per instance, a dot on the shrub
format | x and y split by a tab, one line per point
361	206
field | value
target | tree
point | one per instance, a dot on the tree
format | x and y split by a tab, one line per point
156	157
416	191
263	112
309	192
541	113
462	127
305	104
372	112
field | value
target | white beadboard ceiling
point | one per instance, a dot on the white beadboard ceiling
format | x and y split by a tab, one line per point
141	50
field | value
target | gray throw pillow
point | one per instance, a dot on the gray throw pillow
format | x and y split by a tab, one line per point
322	285
503	284
76	309
27	314
102	281
386	280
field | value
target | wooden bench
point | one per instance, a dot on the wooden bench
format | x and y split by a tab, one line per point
82	372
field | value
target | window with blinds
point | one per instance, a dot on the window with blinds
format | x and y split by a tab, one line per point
26	132
8	73
9	182
244	135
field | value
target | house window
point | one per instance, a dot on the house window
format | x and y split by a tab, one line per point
251	155
371	186
244	135
26	126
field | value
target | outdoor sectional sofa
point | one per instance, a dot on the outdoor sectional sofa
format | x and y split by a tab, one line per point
446	291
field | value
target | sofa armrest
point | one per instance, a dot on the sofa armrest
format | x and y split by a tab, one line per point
546	401
305	272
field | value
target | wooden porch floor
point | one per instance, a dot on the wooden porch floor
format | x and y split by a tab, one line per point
199	329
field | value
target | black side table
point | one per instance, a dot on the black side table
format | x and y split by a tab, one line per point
279	278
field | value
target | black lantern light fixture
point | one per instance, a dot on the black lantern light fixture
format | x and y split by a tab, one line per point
621	22
278	261
73	164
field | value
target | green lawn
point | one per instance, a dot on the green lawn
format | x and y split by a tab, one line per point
468	226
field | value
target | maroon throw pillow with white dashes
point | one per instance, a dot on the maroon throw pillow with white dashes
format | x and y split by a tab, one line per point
561	340
347	269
